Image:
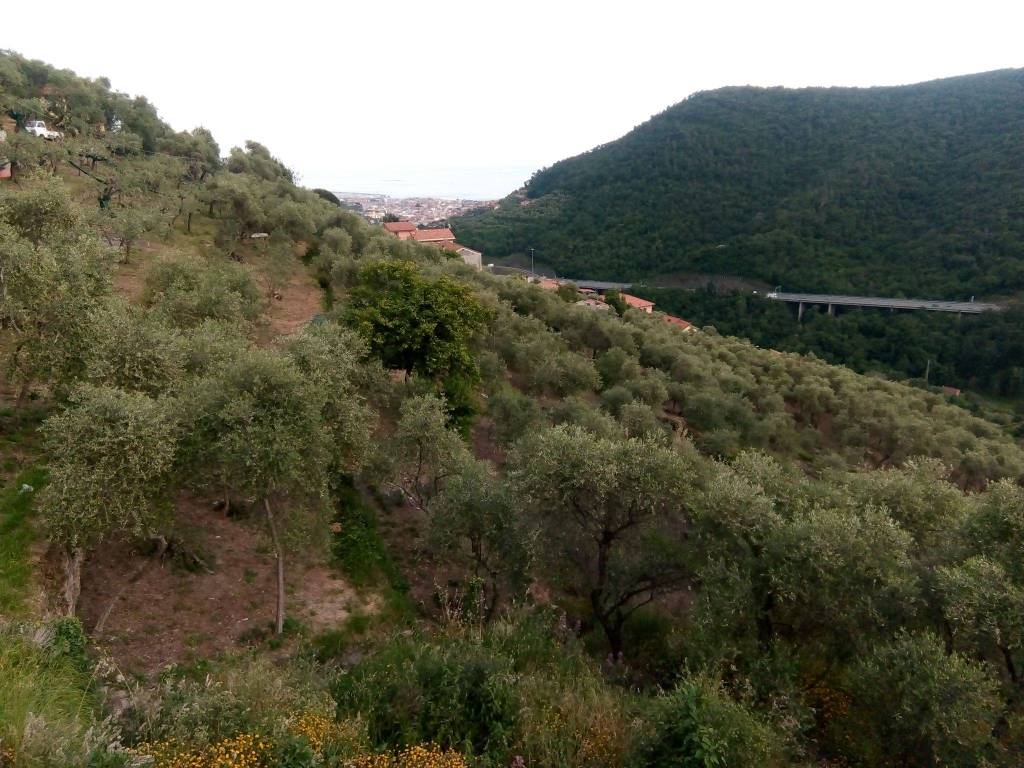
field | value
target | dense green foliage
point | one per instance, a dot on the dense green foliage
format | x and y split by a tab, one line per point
620	544
416	325
911	190
984	353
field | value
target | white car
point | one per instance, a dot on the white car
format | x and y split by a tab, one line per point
38	128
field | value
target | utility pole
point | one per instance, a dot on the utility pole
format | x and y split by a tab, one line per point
532	270
927	371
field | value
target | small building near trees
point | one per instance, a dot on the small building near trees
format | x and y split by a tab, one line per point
442	238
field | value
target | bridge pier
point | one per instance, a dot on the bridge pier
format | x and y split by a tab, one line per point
800	312
831	310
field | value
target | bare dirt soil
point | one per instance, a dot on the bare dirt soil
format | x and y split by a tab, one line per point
299	300
172	615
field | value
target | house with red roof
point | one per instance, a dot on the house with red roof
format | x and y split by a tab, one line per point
442	238
401	229
678	322
434	236
637	303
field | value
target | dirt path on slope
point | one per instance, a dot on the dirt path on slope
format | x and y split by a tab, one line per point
298	302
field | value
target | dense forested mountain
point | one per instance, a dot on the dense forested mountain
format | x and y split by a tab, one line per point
915	190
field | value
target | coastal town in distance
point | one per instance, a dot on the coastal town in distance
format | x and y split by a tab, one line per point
418	210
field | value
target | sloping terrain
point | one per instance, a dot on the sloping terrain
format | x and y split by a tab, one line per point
912	190
283	490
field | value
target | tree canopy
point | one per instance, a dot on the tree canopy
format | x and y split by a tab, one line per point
903	190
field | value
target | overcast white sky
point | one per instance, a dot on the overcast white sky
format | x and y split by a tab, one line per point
467	97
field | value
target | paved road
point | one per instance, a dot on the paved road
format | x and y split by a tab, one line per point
965	307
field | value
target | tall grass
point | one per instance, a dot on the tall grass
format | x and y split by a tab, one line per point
16	537
47	713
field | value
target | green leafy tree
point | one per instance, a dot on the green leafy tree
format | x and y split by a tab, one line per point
424	451
916	705
614	515
415	324
258	429
111	467
476	519
614	299
983	608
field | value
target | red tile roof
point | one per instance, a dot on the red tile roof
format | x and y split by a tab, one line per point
399	226
636	302
680	322
433	235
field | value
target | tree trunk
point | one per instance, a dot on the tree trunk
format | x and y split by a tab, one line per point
23	393
1010	667
612	626
279	626
947	636
73	559
188	222
765	626
493	599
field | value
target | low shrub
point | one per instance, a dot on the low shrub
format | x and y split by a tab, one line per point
698	725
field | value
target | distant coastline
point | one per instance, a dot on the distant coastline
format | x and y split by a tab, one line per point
491	183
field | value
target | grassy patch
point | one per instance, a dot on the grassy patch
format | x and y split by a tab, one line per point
19	437
358	548
16	535
47	703
333	643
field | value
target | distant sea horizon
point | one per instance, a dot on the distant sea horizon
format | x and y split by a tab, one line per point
491	183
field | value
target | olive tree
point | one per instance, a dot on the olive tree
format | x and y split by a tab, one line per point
130	223
111	460
837	576
915	705
41	212
132	349
424	451
331	359
476	519
188	290
984	610
613	515
48	291
258	430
